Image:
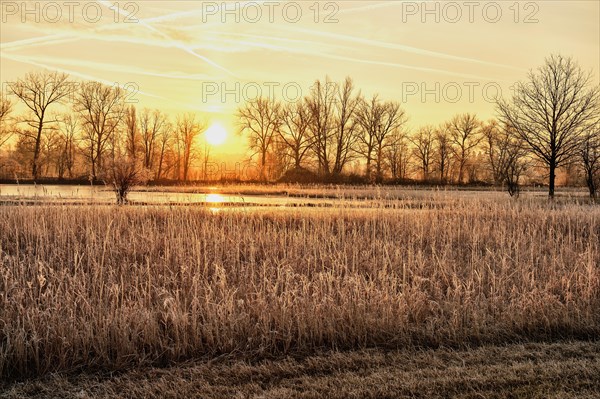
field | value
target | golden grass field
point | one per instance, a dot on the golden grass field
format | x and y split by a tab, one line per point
101	289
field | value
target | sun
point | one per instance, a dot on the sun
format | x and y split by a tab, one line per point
216	134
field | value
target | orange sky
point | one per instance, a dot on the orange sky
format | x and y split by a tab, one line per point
195	56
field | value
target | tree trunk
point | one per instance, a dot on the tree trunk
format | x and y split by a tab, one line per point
590	183
263	163
160	164
379	169
93	159
36	153
552	180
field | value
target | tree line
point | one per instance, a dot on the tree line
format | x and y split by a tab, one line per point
335	133
97	127
552	121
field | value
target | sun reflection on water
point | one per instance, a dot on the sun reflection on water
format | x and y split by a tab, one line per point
215	199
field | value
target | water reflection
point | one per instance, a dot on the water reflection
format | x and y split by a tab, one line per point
215	199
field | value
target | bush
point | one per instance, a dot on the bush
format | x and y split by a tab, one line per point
299	176
123	173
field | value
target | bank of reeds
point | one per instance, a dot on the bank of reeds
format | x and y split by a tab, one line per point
107	288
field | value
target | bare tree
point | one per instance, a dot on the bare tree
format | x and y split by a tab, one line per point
344	133
188	128
551	110
6	131
321	103
38	91
132	132
294	131
279	158
590	158
443	153
507	155
101	109
6	107
165	141
378	121
50	149
397	155
392	120
423	142
516	164
69	129
465	137
151	126
368	117
205	162
491	134
259	118
26	145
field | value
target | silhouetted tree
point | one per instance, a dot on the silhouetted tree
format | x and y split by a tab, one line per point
165	143
344	133
397	155
187	131
590	158
321	103
392	120
6	130
423	142
377	121
259	119
294	130
506	154
442	153
38	91
491	134
151	126
369	116
67	142
464	136
101	109
132	132
551	110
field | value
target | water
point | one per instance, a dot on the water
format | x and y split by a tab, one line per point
232	197
158	196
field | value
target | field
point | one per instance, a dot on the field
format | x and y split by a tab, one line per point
480	284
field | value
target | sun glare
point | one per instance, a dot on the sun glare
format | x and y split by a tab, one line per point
214	199
216	134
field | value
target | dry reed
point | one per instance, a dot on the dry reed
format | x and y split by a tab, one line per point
115	287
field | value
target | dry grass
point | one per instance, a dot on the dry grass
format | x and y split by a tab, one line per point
558	370
107	288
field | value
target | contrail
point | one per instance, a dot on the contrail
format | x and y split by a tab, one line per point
321	54
401	47
116	68
181	46
403	66
36	41
29	60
